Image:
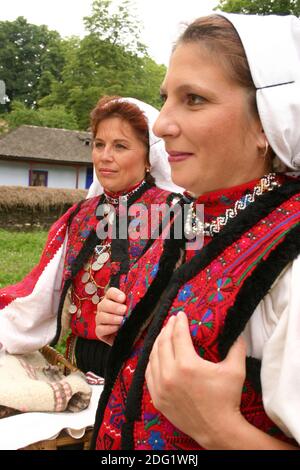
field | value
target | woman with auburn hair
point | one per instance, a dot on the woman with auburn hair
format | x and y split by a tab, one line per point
84	254
207	357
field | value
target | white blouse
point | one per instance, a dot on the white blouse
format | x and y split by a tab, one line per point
273	335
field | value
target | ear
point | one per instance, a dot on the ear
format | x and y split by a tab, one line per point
261	139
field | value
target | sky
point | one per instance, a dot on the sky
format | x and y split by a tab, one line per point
162	19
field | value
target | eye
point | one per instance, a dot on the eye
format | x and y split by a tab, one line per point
193	99
163	97
120	146
98	145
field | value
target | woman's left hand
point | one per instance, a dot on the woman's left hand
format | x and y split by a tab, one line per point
199	397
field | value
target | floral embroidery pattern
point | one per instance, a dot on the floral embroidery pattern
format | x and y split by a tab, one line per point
206	320
185	293
155	440
224	284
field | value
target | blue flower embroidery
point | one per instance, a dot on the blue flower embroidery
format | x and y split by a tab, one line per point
185	293
155	440
154	270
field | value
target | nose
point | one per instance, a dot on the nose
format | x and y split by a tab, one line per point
166	124
107	154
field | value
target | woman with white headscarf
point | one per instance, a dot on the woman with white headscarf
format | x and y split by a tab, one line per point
209	347
88	249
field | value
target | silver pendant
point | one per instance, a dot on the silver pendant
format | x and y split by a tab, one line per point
72	309
96	266
85	278
103	258
90	288
95	299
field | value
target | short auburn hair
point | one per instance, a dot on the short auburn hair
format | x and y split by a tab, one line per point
113	106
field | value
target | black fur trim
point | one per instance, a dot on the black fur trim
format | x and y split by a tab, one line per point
127	334
234	229
120	247
256	287
65	289
253	367
166	220
263	205
87	249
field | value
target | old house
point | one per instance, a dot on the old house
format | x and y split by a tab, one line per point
42	156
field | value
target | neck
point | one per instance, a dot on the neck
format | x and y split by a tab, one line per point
114	198
222	205
123	192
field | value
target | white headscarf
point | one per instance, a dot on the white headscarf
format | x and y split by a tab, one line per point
272	47
160	168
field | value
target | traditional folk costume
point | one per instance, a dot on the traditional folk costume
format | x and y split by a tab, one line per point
76	261
245	280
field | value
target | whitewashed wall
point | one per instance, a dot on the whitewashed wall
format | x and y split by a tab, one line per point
59	176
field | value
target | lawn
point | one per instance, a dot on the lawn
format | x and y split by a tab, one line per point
19	253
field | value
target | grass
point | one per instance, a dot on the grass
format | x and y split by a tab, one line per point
19	253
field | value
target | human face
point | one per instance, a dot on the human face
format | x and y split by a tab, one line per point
119	156
212	136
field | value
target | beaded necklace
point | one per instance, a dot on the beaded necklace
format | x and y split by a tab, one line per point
194	226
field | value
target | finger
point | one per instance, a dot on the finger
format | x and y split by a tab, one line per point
181	338
105	330
109	339
104	318
150	381
165	348
154	362
115	294
112	307
236	357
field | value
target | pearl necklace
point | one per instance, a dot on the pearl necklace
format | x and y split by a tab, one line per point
194	226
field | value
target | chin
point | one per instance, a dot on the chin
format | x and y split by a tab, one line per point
180	180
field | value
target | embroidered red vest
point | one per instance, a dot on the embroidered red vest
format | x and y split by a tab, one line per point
83	321
211	298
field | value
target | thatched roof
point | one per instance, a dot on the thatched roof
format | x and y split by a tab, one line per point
46	144
38	197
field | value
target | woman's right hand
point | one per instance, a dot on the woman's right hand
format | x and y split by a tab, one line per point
110	314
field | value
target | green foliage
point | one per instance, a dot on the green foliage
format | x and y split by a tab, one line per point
102	63
30	57
61	80
19	252
263	7
116	24
57	116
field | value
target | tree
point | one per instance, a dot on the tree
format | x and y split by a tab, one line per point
116	23
31	57
263	7
57	116
105	63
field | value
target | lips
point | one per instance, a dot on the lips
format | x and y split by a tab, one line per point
175	156
106	171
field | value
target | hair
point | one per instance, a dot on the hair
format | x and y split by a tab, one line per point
113	106
222	42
